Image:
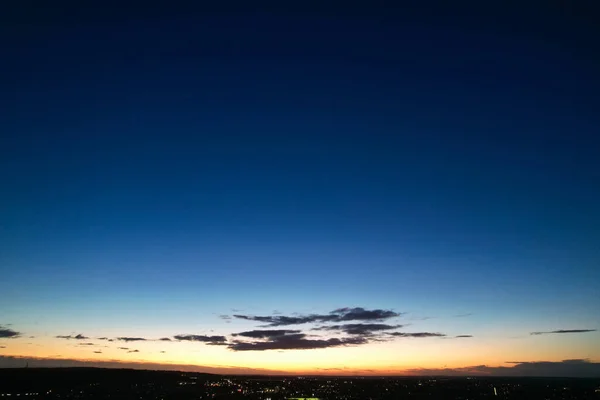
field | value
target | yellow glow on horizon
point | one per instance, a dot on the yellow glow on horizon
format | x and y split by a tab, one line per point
398	357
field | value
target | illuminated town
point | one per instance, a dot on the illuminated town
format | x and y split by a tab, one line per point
95	383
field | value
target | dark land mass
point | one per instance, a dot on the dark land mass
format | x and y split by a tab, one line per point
44	379
129	384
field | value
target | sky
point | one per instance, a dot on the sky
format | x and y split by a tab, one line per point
335	190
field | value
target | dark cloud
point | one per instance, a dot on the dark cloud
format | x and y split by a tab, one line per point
202	338
98	352
339	315
359	329
133	351
165	339
564	331
131	339
463	336
86	344
265	334
360	314
277	320
2	347
417	334
8	333
77	337
296	341
103	338
580	368
123	348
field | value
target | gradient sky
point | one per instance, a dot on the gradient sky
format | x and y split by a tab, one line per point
166	170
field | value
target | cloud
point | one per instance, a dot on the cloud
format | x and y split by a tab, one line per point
564	331
266	334
98	352
165	339
123	348
417	334
8	333
102	338
131	339
202	338
162	351
338	315
462	315
225	317
2	347
463	336
296	341
133	351
77	337
86	344
417	318
359	329
581	368
360	314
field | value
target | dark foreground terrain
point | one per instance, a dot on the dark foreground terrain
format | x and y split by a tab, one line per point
97	383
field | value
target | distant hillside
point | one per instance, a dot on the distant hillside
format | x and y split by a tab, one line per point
43	379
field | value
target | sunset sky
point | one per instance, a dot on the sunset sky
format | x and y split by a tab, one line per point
340	191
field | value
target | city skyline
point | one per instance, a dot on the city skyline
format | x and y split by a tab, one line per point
352	190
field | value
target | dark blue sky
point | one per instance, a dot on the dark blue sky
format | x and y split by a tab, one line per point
438	164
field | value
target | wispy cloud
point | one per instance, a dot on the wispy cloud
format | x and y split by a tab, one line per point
463	336
165	339
133	351
564	331
295	341
462	315
131	339
265	334
359	329
8	333
338	315
77	337
202	338
417	334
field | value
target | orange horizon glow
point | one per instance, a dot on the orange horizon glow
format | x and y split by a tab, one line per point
418	358
233	370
